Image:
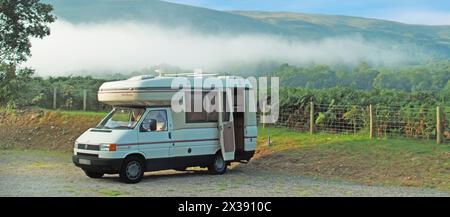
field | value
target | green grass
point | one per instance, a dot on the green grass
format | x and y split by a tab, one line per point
42	165
284	138
110	192
78	112
392	161
64	112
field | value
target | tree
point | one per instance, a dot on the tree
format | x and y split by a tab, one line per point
19	20
14	90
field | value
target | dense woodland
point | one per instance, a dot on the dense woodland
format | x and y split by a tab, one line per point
424	85
433	76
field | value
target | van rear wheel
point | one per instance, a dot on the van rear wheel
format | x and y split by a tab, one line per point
94	175
219	166
132	170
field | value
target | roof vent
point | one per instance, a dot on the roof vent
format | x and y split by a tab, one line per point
141	77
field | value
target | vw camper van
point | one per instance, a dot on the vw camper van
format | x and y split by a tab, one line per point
144	132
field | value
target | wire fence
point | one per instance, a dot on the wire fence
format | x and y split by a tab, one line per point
72	99
375	121
293	118
408	122
340	119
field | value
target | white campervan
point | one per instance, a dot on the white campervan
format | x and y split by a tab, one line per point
144	132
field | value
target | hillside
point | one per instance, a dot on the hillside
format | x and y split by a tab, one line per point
313	26
425	42
162	13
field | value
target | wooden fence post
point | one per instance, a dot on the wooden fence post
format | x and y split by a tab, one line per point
438	125
54	97
84	99
371	122
311	118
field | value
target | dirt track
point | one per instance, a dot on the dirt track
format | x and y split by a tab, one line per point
51	173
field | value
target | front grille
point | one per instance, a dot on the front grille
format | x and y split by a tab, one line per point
93	147
101	130
88	147
87	155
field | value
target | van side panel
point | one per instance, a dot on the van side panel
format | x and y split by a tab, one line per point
195	141
250	138
251	129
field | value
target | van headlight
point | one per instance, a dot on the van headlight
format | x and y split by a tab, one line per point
108	147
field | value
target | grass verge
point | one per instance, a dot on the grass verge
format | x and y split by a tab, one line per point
79	112
393	161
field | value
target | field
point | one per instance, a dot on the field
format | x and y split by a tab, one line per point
294	164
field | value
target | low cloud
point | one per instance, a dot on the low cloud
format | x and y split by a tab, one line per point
126	46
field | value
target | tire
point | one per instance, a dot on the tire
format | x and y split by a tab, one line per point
93	175
132	170
218	166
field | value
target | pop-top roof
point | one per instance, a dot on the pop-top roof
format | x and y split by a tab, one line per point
196	82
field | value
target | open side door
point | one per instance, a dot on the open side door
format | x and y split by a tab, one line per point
226	127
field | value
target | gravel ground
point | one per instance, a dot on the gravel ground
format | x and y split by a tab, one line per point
41	173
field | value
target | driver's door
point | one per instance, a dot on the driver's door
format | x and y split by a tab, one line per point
156	144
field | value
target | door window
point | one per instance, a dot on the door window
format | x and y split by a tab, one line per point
161	119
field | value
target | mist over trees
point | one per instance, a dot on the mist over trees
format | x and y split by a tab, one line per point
413	86
432	77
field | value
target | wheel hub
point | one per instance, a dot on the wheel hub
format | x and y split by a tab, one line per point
219	163
133	170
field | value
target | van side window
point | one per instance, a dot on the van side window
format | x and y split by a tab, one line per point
161	119
202	116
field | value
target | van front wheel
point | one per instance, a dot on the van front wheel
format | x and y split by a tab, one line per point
132	170
219	166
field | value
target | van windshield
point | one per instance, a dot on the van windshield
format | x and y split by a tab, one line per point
122	118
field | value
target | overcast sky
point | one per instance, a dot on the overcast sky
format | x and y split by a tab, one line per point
431	12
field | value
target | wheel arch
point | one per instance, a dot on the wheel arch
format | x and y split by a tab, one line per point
139	155
136	154
218	150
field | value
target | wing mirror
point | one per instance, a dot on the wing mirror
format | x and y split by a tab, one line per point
149	125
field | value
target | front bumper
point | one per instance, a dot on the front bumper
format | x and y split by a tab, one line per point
102	165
